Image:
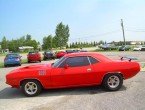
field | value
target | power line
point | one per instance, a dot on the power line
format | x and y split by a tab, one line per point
134	30
97	35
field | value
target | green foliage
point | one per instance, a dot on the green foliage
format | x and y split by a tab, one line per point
13	44
4	43
62	35
82	44
47	42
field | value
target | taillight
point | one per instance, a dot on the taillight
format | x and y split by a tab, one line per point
17	58
6	59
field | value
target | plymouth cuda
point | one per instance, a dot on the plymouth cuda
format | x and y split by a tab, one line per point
73	70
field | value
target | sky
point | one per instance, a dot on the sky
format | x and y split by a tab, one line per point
88	20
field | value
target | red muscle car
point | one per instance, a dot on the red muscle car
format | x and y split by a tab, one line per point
73	70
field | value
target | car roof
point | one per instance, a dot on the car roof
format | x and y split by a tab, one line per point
98	56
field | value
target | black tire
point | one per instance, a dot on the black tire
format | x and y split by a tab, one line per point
39	60
29	92
112	85
5	66
28	61
20	64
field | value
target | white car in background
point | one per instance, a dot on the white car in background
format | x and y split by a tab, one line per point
137	48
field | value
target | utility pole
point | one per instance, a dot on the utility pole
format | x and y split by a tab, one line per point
123	31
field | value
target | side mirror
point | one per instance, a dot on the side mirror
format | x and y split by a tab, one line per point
66	66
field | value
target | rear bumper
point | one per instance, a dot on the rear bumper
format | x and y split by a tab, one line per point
34	59
12	62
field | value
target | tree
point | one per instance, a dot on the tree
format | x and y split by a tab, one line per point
28	38
4	43
62	35
44	46
47	42
101	42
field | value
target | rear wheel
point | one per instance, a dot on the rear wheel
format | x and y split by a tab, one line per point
113	81
20	64
39	60
31	88
5	65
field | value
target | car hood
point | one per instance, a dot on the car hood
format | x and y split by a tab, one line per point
33	67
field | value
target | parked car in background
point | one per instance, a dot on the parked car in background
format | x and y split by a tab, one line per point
12	59
83	51
73	70
69	51
143	48
34	56
48	55
75	51
137	48
124	48
60	54
108	46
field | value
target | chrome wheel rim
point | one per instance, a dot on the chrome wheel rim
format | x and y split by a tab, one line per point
31	88
113	81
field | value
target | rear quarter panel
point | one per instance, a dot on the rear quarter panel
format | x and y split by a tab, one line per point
127	69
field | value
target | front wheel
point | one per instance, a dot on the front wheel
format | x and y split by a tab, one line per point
31	88
113	81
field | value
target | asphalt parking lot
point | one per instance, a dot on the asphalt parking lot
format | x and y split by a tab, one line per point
130	97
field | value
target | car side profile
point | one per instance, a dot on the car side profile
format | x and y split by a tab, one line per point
12	59
73	70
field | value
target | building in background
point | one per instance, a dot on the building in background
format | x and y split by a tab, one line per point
26	48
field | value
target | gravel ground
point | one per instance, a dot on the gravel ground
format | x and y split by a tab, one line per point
130	97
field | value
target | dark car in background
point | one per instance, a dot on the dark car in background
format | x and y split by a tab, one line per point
124	48
12	59
83	51
34	56
69	51
48	55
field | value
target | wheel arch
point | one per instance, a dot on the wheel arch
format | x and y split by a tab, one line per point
111	73
21	82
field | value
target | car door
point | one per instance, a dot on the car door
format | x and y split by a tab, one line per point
79	72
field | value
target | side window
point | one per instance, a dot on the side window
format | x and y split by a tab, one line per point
77	61
93	60
62	64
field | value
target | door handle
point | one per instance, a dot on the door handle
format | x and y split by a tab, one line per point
89	69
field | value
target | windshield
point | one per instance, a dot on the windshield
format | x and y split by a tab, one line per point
58	62
12	55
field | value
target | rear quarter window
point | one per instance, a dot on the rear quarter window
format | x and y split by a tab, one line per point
93	60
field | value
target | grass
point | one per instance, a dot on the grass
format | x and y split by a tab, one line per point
3	54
